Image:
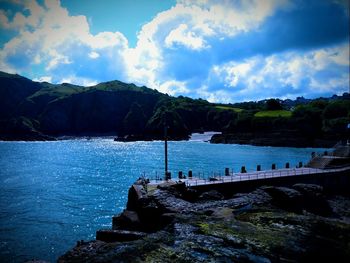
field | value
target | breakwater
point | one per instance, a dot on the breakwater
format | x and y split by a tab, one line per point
331	180
296	214
170	221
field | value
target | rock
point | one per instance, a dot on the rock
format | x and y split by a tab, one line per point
126	220
149	214
135	195
37	261
309	189
211	195
285	198
167	219
313	199
109	235
250	227
169	203
190	195
176	188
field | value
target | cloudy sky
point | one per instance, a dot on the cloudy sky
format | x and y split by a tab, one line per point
223	51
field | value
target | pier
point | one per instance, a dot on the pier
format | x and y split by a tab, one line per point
327	169
330	179
261	175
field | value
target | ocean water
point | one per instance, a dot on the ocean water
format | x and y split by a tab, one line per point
55	193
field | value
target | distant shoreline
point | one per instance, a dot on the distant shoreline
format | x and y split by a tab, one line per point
273	139
211	137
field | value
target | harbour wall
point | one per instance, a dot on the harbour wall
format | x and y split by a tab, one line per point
332	182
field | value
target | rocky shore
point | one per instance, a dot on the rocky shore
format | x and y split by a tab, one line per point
170	223
273	139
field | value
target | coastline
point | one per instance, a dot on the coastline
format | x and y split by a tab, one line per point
299	218
297	222
266	139
273	139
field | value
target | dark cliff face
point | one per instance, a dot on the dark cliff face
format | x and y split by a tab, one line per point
96	111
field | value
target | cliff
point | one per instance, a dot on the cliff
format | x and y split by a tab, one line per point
170	223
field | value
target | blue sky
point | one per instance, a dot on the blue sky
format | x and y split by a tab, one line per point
219	50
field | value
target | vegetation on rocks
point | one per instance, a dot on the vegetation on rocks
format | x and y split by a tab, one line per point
270	224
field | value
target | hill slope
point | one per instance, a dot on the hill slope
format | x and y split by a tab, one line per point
40	111
43	109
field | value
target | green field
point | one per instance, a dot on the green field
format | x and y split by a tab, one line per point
229	108
274	113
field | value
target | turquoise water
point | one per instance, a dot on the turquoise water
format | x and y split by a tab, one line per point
55	193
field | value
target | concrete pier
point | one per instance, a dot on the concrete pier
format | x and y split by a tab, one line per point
330	178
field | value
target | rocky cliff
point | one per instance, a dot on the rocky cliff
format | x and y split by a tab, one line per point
170	223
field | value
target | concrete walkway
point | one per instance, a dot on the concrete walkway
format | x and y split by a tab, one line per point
261	175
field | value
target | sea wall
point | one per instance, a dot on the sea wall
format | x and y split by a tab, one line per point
299	222
332	182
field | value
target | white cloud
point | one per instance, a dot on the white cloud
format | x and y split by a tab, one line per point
232	73
187	27
183	36
4	21
50	36
86	82
43	79
173	88
181	51
93	55
281	75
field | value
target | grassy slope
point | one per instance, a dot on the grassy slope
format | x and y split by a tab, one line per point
274	113
59	91
229	108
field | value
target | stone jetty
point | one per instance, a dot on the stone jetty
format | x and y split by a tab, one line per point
280	221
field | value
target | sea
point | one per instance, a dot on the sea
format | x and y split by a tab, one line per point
53	194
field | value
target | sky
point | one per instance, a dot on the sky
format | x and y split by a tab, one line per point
218	50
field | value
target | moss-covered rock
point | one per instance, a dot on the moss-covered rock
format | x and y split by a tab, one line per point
246	228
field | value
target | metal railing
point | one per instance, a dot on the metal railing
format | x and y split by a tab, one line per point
239	177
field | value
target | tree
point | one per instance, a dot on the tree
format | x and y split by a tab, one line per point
135	121
273	104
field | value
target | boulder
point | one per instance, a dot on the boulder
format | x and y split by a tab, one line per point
314	199
126	220
110	235
190	195
135	195
167	219
176	188
285	198
211	195
149	214
309	190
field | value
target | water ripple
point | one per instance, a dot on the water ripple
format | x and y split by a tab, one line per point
54	193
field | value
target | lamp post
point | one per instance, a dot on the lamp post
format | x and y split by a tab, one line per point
166	150
167	173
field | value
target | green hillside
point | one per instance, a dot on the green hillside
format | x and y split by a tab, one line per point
112	107
273	113
40	111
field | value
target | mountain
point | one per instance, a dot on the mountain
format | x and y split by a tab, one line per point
40	111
